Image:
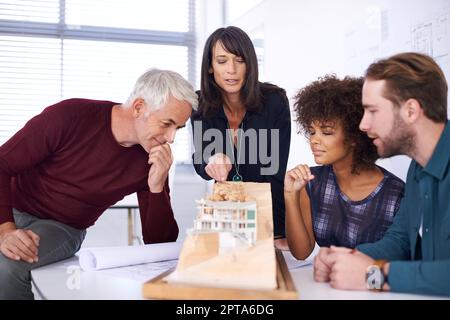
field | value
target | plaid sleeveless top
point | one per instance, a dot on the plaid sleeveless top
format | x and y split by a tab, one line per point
339	221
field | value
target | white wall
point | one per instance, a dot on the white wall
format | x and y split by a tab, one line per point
305	39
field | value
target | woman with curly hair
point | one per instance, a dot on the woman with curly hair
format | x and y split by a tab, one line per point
348	200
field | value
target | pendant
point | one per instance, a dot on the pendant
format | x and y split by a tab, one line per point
237	177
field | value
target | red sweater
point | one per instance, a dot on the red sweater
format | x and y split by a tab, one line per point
66	165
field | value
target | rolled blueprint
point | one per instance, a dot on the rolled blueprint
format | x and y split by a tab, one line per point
112	257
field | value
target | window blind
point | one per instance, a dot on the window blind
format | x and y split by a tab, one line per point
54	49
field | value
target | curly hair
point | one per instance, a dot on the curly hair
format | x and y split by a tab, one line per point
332	99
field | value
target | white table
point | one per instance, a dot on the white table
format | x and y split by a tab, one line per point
65	280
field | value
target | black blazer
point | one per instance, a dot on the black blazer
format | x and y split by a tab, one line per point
259	167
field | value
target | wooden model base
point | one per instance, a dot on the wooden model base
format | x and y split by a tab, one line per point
157	288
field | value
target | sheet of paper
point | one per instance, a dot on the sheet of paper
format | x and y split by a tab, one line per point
112	257
140	272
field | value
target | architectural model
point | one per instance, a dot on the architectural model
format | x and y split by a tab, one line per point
234	221
231	242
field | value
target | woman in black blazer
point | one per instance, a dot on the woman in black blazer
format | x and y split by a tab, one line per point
242	128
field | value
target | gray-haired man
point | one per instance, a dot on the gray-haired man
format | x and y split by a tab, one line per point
67	165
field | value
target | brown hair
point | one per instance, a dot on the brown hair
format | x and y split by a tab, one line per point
237	42
413	75
332	99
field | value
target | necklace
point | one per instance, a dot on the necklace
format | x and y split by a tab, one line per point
237	176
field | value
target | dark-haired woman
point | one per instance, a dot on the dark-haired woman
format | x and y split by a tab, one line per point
242	127
348	200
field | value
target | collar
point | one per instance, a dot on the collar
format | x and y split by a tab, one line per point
440	159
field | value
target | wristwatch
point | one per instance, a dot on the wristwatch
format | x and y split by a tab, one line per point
375	277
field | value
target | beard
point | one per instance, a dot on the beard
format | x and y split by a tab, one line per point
400	141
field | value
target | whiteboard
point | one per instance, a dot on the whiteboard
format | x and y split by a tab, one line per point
304	40
390	27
